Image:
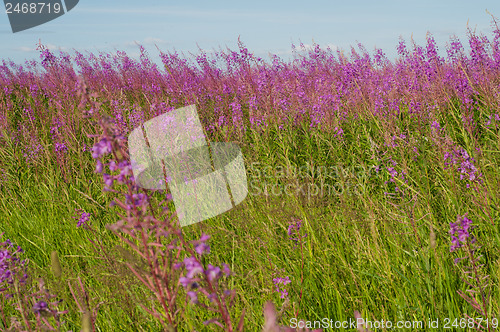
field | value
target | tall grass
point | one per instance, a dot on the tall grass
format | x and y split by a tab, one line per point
360	172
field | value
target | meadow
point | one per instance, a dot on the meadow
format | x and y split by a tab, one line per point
373	192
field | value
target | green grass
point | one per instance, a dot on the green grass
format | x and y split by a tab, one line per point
367	251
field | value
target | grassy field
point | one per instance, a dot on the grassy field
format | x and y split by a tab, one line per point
368	180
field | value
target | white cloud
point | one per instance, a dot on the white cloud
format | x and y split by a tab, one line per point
26	49
333	47
153	40
282	52
52	47
132	43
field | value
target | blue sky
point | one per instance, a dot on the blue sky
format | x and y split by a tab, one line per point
264	26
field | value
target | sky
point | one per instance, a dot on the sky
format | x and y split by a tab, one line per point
270	26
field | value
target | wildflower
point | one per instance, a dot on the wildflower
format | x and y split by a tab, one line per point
284	293
466	166
108	180
338	132
10	265
294	231
213	272
459	232
185	281
40	307
202	248
112	166
101	148
393	173
281	281
193	267
84	218
294	226
136	199
61	147
435	125
226	270
193	296
99	167
204	237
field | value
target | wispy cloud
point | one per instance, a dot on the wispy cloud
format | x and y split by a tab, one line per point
50	47
153	40
25	49
148	41
53	47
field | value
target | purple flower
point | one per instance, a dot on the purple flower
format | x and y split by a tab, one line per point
294	227
455	244
193	267
281	281
136	199
112	166
40	306
99	167
84	218
435	125
185	281
193	296
101	148
226	270
204	237
466	166
393	173
10	265
108	180
284	281
61	147
459	232
294	230
202	248
213	272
